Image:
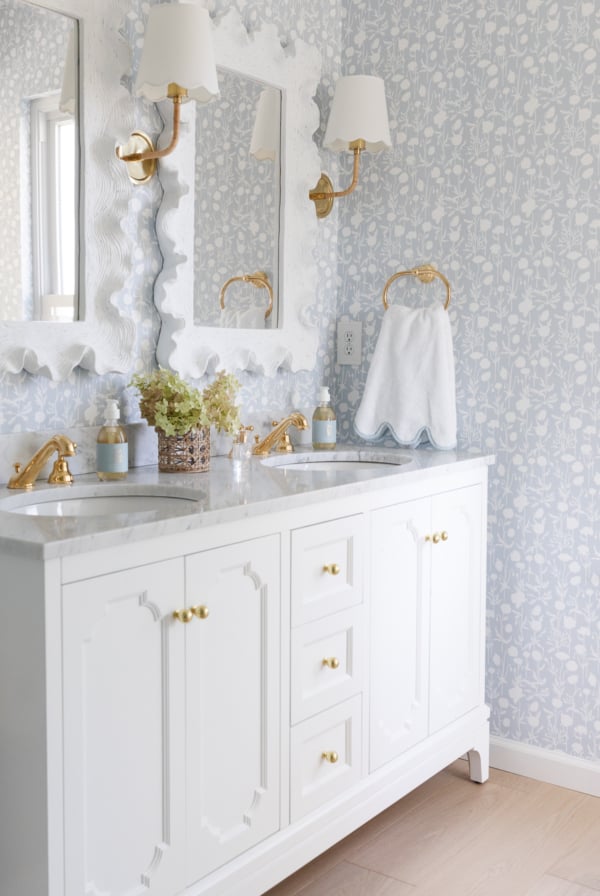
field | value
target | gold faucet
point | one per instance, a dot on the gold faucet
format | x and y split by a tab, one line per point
25	476
279	435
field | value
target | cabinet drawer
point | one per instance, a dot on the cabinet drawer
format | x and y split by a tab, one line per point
326	568
327	662
331	735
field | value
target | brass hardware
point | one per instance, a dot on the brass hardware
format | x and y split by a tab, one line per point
24	477
332	568
259	279
331	662
323	194
330	756
437	537
140	168
426	274
60	475
241	438
294	419
183	615
201	612
142	157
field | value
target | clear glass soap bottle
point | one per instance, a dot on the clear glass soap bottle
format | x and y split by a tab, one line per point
112	458
324	423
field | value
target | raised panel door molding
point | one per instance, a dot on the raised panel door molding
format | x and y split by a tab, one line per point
233	674
456	606
399	629
123	747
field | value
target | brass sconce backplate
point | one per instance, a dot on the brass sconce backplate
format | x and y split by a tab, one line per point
140	172
324	204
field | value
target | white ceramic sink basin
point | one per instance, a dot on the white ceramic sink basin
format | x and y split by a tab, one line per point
353	462
87	502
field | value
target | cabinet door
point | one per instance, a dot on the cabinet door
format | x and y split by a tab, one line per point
123	721
233	668
457	592
399	629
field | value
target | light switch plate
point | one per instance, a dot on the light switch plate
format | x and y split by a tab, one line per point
349	341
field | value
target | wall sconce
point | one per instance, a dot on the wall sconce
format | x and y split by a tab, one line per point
178	63
266	133
358	121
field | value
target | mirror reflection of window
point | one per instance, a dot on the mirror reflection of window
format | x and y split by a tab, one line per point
39	192
237	207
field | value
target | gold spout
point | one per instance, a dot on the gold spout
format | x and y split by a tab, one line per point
25	476
279	431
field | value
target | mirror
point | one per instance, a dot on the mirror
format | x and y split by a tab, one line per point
39	146
236	220
184	345
102	340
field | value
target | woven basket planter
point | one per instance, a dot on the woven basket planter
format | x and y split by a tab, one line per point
184	454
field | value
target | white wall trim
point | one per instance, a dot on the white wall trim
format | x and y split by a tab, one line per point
545	765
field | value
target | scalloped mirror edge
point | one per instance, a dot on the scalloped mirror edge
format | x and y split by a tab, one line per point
194	350
105	340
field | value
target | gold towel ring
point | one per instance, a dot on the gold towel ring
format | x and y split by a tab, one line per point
426	274
259	279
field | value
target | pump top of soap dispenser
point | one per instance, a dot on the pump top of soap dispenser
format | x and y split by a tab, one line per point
111	411
324	395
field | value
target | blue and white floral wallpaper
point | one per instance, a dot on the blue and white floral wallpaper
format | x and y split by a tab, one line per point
493	177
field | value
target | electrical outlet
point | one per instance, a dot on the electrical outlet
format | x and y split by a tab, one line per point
349	341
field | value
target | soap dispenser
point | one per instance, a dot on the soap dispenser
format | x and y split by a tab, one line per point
112	459
324	423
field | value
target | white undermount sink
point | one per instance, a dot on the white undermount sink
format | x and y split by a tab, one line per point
114	501
350	461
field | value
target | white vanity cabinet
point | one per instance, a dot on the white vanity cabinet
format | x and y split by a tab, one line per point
427	617
201	709
171	723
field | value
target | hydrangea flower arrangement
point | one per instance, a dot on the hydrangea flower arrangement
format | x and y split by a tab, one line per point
170	404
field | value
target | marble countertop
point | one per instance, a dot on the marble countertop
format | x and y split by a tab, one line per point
223	494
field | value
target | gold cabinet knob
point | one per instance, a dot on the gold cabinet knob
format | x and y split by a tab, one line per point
445	536
332	568
436	538
201	612
330	756
331	662
183	615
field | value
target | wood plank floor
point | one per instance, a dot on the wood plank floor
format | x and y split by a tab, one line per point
511	836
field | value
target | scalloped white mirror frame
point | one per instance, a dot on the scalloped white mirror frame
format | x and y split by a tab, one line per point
193	350
104	340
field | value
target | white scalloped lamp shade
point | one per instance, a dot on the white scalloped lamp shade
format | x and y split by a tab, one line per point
358	112
178	49
266	132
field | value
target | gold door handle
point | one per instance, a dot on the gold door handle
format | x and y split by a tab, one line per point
330	756
332	568
445	536
183	615
201	612
331	662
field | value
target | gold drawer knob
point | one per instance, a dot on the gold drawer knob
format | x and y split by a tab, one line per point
331	756
445	536
183	615
331	662
332	568
201	612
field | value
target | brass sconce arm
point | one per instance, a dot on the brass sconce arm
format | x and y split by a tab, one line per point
259	279
323	195
141	163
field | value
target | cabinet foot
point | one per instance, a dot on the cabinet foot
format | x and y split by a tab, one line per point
479	761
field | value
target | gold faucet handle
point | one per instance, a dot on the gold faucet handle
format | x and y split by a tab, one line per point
60	475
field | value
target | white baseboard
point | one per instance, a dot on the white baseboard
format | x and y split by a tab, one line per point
545	765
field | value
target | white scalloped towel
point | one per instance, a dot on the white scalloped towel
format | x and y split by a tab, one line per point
410	391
